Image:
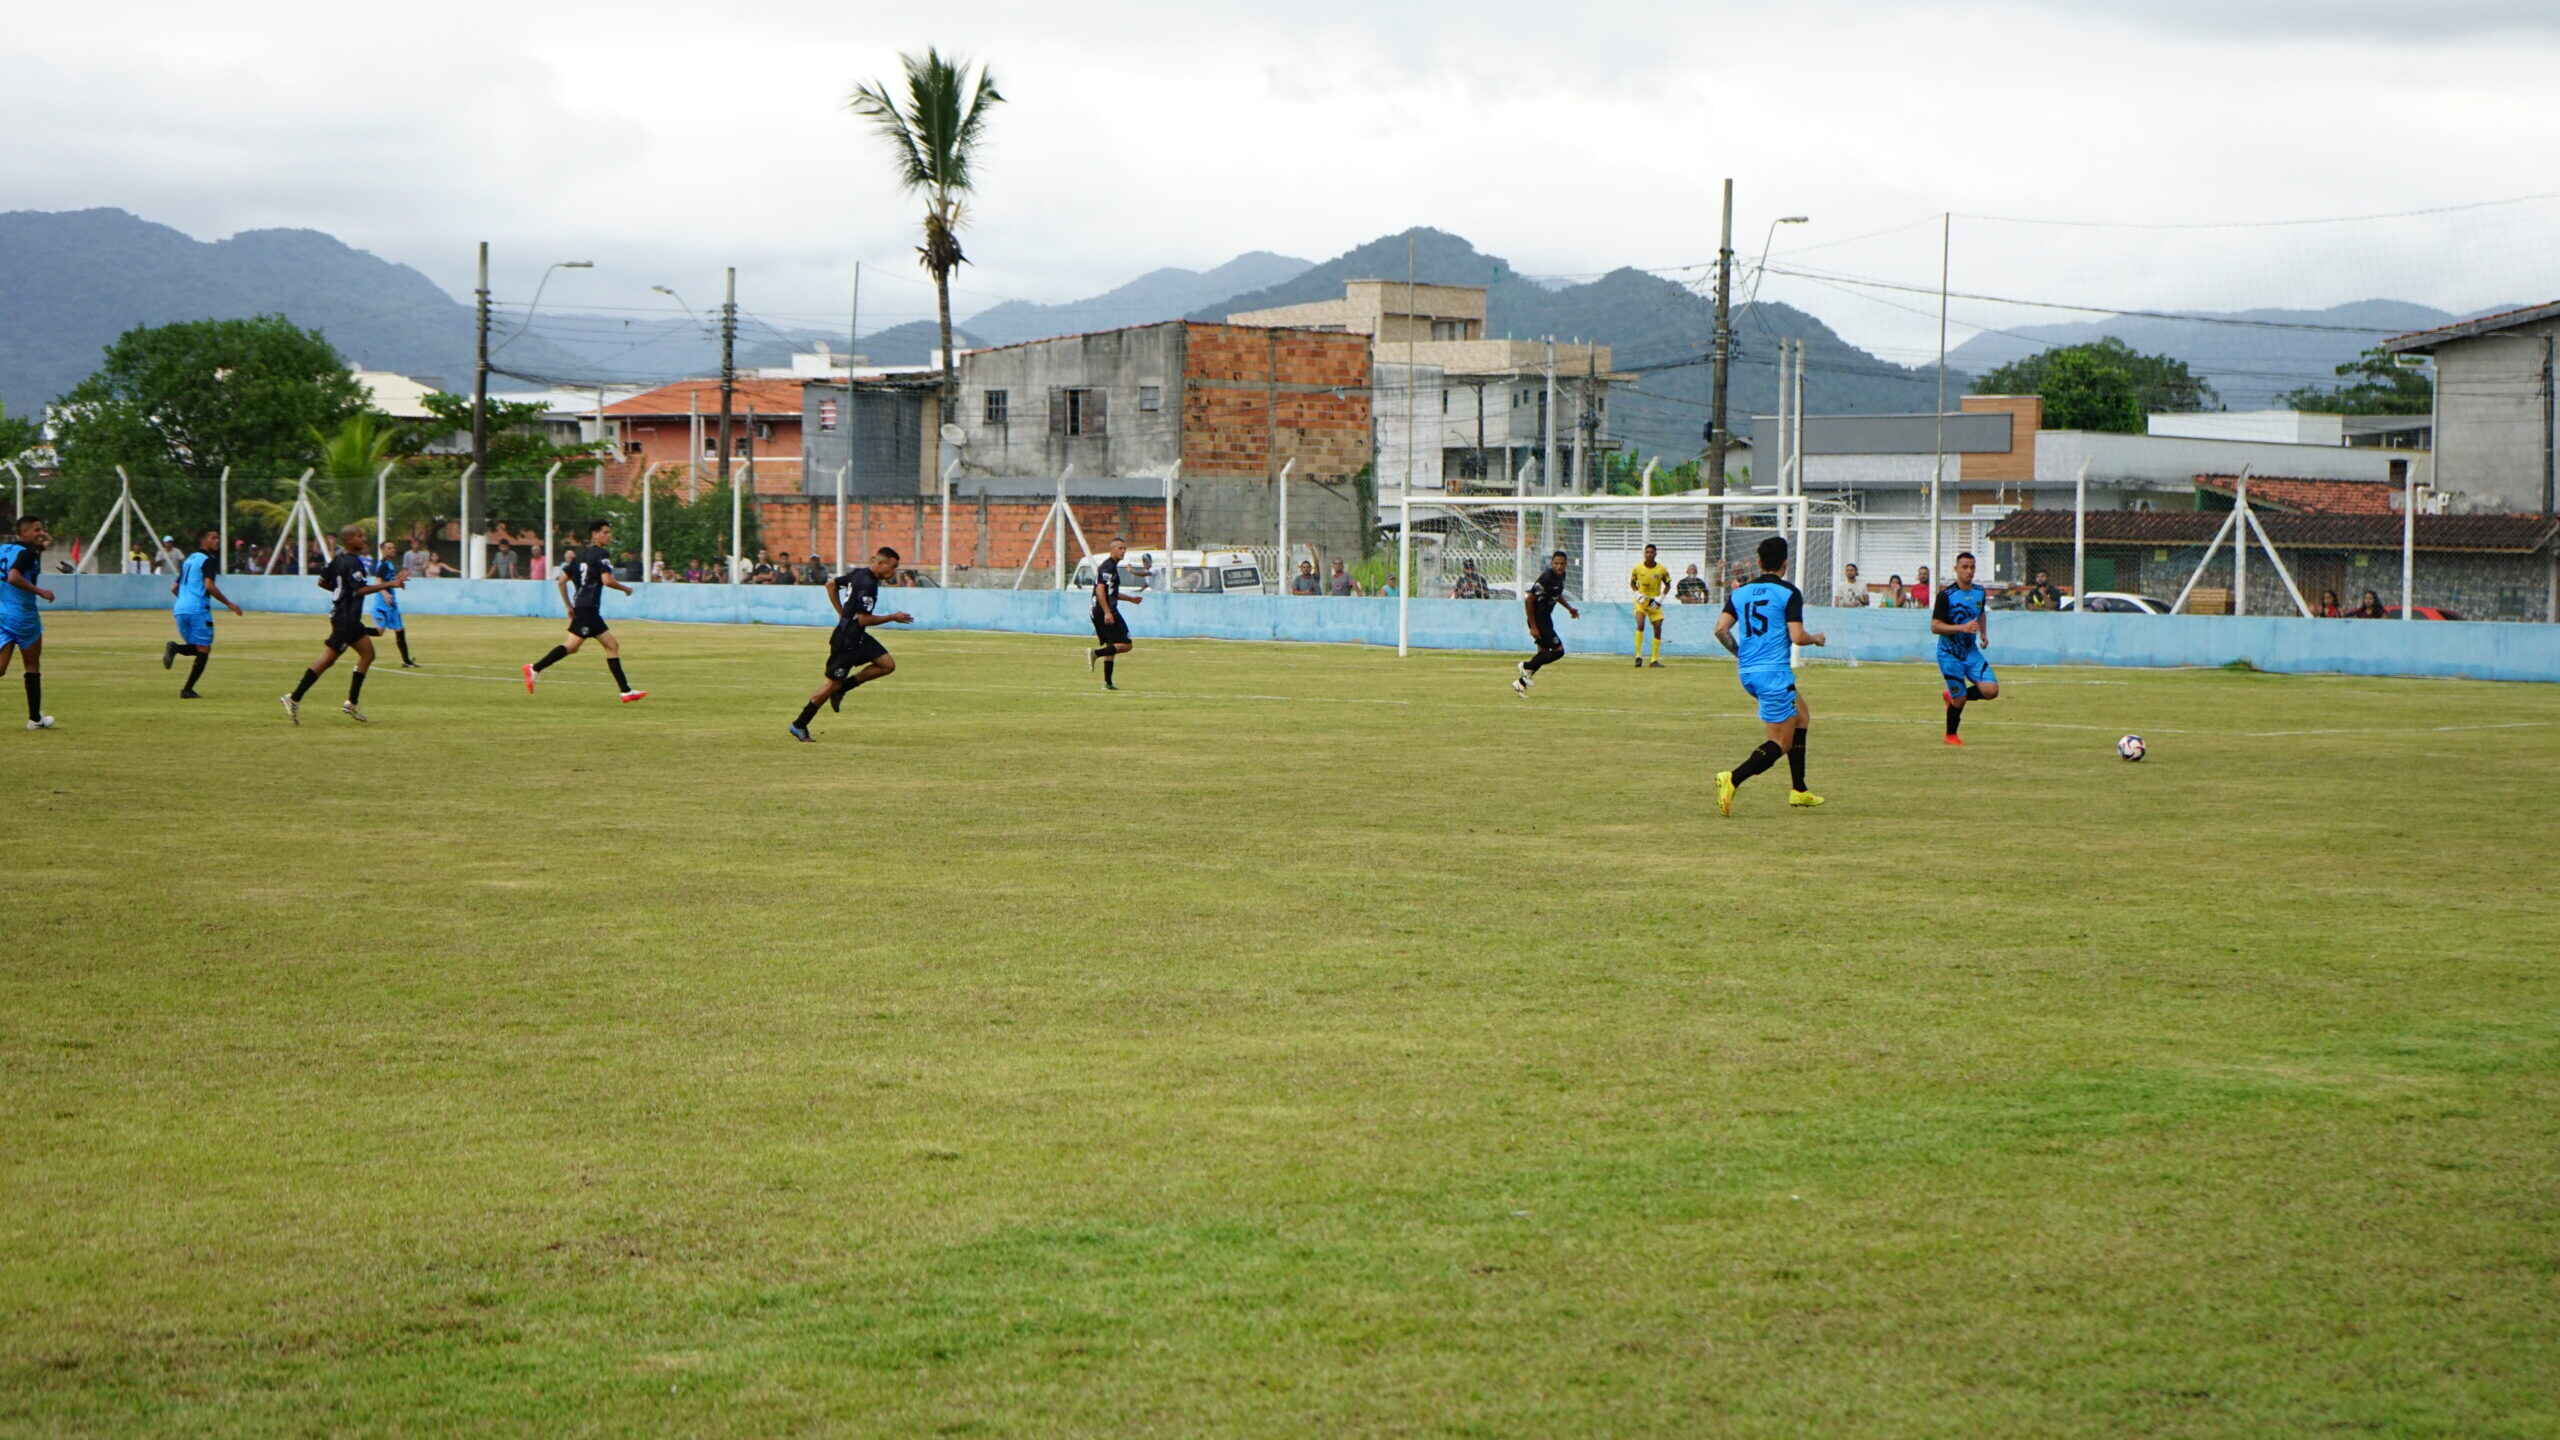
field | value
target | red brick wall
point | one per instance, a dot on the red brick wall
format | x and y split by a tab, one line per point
1245	431
1010	528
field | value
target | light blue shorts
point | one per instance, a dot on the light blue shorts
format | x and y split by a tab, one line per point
195	627
1776	692
20	630
1966	669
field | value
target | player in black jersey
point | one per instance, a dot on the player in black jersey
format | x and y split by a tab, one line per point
349	579
855	656
1545	594
1109	627
582	584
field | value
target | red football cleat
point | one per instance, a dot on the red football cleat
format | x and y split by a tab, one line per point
528	679
630	695
1955	739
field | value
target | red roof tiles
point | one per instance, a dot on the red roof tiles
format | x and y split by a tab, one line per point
766	397
2309	497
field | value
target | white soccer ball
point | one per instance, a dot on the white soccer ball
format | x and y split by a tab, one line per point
2131	747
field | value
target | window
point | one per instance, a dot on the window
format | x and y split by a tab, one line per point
826	414
1150	397
1079	412
998	402
1444	402
1448	329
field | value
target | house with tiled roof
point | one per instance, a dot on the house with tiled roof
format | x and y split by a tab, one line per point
678	426
2497	418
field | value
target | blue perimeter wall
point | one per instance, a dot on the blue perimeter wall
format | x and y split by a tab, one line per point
2463	649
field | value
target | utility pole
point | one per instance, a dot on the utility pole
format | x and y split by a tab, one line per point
728	366
480	382
1716	436
2550	413
1591	416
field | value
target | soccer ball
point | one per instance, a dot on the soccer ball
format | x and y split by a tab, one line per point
2131	747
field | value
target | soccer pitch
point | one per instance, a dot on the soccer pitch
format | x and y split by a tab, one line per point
1300	1041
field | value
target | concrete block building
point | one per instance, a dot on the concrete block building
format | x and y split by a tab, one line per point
1232	405
2497	418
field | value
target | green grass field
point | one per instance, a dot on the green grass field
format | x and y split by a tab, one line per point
1300	1042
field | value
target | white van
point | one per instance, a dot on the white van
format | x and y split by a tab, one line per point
1179	572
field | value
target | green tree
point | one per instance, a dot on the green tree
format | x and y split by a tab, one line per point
2085	392
176	405
2162	384
2380	386
517	445
933	135
17	437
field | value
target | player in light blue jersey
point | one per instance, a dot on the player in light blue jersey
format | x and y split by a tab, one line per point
21	628
1769	612
1959	620
386	608
193	595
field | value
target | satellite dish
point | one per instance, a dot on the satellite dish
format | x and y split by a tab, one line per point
954	435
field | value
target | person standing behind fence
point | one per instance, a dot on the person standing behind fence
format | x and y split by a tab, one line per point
1305	581
1692	589
1851	594
1470	584
1339	582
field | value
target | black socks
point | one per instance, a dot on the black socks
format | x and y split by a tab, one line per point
309	679
1955	717
35	696
195	672
1758	760
403	637
355	686
621	681
1106	670
1101	650
1795	758
808	713
558	654
1972	691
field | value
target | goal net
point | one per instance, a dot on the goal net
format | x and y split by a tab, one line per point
1487	546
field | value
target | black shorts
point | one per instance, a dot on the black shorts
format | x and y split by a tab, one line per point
587	624
344	633
851	649
1109	631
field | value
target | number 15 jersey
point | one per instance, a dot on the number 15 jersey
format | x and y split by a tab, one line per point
1762	611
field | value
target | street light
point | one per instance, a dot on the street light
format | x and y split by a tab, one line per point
527	322
1762	268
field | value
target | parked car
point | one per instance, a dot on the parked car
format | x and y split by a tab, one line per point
2117	602
2422	612
1182	572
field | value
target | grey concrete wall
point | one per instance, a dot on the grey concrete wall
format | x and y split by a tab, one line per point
2490	410
1118	363
885	439
2481	587
1242	512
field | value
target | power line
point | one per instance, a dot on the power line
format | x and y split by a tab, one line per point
2115	310
2265	224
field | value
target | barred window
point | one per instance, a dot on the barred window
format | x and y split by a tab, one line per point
998	402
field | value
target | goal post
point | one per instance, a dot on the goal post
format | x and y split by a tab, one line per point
1437	535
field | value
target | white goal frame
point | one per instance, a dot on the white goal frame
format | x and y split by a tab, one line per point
1795	513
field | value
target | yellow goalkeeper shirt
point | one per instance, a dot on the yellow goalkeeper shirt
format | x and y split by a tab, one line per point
1650	581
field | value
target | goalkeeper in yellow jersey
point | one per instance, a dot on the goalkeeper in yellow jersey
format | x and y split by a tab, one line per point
1651	581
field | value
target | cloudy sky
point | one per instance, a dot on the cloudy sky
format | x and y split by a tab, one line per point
667	141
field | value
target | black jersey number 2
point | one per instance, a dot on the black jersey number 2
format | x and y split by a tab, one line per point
1755	618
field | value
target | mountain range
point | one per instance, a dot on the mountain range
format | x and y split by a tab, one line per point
71	281
2251	357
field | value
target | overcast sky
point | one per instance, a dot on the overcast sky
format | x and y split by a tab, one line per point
666	141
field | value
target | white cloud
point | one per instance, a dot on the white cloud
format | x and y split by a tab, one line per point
667	141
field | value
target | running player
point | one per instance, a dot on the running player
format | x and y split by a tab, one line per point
386	609
1545	594
21	628
1108	625
1651	581
855	656
192	609
1771	614
1959	620
582	593
349	577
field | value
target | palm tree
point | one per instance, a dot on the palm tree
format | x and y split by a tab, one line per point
934	136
